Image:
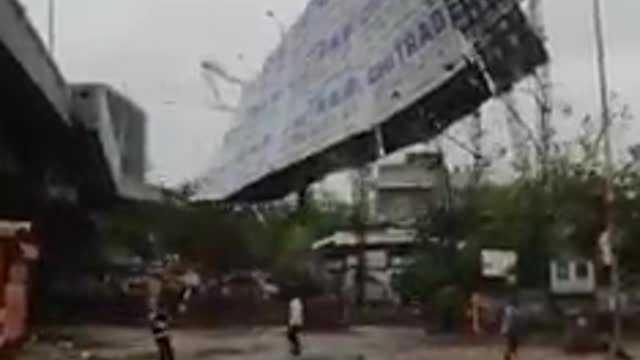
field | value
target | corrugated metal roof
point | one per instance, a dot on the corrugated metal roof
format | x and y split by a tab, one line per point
384	237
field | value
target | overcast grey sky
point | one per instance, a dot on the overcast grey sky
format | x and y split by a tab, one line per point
151	49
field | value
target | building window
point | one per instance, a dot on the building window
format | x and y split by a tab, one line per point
582	270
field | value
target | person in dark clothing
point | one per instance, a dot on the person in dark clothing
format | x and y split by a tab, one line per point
160	329
511	330
293	335
622	354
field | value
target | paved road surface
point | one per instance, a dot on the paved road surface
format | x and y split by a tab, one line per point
269	344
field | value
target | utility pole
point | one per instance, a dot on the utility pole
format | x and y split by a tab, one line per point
608	175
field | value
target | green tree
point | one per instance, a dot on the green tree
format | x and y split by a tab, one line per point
540	215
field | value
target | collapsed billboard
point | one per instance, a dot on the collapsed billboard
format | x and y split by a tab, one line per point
407	67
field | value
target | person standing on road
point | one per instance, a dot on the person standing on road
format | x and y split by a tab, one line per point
296	322
191	283
160	329
511	329
158	316
155	287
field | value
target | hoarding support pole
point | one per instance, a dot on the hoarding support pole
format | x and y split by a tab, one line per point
360	222
364	213
301	200
477	133
380	149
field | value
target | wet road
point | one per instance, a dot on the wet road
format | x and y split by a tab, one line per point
373	343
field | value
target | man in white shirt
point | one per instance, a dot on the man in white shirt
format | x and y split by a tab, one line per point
191	283
296	321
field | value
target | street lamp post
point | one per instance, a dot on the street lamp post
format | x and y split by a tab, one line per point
281	28
608	173
52	26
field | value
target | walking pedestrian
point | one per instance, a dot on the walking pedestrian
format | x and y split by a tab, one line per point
296	322
155	288
160	329
511	329
191	283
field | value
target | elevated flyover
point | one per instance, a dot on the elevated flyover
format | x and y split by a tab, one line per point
47	150
35	122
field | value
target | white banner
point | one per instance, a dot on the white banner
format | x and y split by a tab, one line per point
343	68
498	263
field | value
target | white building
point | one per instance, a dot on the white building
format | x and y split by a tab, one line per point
572	276
384	253
411	189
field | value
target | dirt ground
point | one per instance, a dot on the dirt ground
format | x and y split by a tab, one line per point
373	343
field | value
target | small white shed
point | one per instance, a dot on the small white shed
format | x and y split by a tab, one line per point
572	276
